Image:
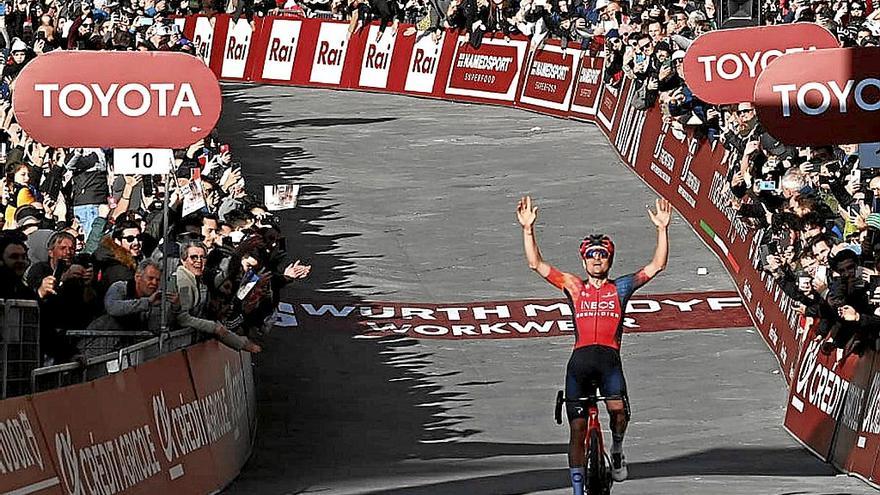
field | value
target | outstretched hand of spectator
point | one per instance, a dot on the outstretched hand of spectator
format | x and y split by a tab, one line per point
663	215
296	270
848	313
751	147
132	180
231	179
47	287
738	179
193	148
526	213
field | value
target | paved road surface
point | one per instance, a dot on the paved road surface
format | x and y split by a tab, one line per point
412	200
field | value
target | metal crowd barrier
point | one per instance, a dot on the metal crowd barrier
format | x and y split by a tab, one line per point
19	345
90	368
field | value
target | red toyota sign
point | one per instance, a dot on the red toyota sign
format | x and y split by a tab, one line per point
721	67
117	99
827	97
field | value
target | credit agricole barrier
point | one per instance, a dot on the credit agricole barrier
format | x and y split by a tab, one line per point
181	423
833	410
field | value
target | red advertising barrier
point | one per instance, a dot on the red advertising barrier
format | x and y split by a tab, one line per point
490	73
549	78
273	52
25	461
176	424
818	398
587	87
423	76
235	47
220	392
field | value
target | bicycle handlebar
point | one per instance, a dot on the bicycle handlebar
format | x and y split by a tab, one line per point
561	399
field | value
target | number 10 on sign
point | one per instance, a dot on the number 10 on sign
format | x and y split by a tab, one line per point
129	161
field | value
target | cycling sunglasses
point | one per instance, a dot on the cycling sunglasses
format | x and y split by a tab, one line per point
597	253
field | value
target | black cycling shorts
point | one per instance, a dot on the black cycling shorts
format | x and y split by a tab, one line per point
591	366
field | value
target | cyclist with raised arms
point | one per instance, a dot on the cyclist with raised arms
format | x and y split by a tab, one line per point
598	305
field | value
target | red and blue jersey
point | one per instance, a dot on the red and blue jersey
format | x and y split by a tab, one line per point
598	312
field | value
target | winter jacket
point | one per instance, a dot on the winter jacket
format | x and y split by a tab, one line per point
89	182
114	263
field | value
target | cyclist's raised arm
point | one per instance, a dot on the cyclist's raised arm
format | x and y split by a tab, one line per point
660	219
527	214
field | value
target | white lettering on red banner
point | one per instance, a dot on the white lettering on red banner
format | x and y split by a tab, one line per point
77	100
198	423
238	45
484	62
332	45
106	466
822	387
491	72
586	91
281	50
522	318
871	422
730	66
816	98
19	448
550	79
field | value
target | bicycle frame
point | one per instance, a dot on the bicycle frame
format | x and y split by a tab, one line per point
594	425
598	470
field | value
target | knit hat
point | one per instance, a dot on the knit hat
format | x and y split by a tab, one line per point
18	46
873	220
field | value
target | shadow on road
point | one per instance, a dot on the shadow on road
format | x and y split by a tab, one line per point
324	398
718	462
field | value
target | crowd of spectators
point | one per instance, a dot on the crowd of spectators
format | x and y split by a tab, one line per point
92	246
815	209
89	245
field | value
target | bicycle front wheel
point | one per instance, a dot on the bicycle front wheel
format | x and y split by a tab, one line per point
594	466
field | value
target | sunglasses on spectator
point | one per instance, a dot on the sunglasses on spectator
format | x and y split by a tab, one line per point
131	238
597	254
196	257
745	111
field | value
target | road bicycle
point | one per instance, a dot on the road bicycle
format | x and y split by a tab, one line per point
597	461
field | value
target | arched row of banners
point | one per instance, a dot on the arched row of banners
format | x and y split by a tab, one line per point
185	421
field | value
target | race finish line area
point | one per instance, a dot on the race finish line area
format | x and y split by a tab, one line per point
513	319
703	329
364	393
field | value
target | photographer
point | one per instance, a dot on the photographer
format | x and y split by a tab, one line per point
849	295
134	304
71	300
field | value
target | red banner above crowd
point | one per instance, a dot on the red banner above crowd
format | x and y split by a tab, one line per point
81	99
721	67
827	97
